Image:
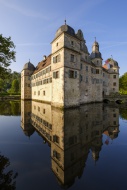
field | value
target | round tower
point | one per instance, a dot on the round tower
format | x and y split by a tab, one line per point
26	73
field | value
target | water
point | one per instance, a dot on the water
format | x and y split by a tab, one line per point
47	148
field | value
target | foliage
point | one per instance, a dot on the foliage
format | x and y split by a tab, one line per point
6	84
123	84
7	177
1	85
10	108
123	113
15	86
7	55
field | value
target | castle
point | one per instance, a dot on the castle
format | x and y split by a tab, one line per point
70	75
72	134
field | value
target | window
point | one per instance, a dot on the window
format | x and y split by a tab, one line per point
80	78
44	72
114	84
72	74
114	115
114	76
43	93
38	93
56	74
72	140
97	71
38	108
114	122
97	81
86	79
57	44
81	66
56	59
56	139
72	58
56	154
72	43
86	68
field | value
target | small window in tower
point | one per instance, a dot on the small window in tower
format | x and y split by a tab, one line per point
86	68
44	93
72	74
114	84
80	78
86	79
97	71
57	44
72	58
72	43
114	76
81	66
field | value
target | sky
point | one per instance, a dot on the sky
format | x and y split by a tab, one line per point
32	25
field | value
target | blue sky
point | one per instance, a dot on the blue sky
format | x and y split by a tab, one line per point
32	25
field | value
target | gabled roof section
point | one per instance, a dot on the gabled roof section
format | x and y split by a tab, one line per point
44	63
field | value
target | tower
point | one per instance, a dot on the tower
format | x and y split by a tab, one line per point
96	55
96	58
26	81
113	76
65	63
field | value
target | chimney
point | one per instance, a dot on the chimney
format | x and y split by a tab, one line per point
44	57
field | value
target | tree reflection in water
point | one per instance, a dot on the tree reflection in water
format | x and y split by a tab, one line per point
7	177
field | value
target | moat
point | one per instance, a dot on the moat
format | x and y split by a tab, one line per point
42	147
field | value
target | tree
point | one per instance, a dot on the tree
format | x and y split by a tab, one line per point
7	55
15	86
1	84
123	83
7	177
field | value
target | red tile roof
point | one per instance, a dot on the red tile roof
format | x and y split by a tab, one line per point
44	63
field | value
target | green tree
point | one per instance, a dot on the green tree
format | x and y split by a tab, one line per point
123	83
1	84
7	55
15	86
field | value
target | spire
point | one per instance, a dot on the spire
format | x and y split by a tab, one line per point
65	21
95	39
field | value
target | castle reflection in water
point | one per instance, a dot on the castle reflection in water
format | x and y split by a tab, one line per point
72	134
